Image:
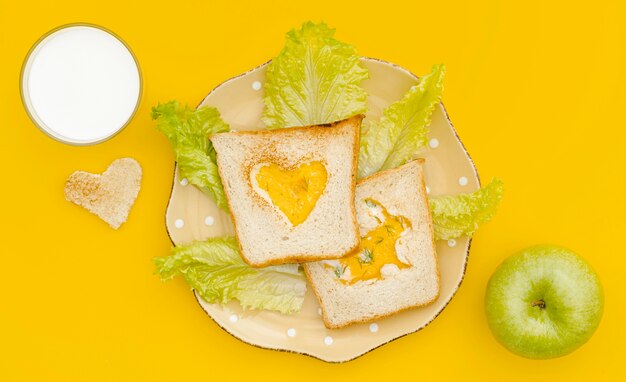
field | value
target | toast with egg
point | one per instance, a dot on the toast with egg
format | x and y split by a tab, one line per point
395	267
291	191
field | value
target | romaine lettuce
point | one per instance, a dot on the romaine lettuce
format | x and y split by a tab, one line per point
459	215
401	132
215	269
314	80
188	131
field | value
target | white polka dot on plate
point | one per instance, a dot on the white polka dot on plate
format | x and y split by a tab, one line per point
233	318
451	243
291	332
256	85
463	181
179	223
184	182
427	190
374	327
209	220
328	340
434	143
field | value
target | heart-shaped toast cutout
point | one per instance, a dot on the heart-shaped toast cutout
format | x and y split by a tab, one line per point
110	195
294	191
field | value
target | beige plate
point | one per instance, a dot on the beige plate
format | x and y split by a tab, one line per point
193	216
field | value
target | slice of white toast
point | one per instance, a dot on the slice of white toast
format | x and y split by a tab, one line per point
291	191
395	267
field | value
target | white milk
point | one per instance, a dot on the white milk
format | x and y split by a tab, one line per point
81	85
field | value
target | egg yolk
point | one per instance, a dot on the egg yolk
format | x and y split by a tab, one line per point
294	191
377	248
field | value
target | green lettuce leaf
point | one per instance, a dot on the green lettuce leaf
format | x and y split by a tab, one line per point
188	131
458	215
402	131
216	271
314	80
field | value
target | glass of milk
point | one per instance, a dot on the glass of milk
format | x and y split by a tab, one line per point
81	84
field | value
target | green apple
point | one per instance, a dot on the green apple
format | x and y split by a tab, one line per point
543	302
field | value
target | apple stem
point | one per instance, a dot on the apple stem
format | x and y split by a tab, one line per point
540	303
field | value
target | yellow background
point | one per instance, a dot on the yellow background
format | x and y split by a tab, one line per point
536	92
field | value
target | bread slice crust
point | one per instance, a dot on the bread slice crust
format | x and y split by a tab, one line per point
316	287
318	131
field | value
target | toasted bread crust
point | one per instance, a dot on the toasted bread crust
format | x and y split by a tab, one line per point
316	129
290	130
378	174
327	323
